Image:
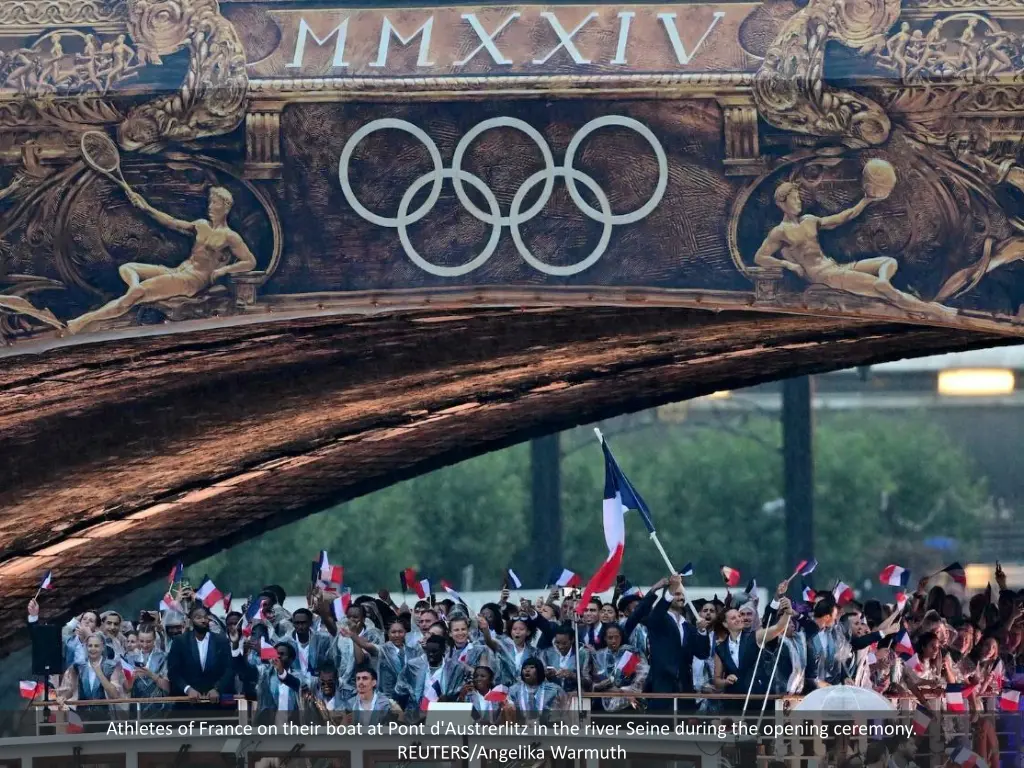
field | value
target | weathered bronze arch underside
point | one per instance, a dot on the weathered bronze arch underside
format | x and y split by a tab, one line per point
122	456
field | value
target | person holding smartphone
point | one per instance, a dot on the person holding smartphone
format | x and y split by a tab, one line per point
150	679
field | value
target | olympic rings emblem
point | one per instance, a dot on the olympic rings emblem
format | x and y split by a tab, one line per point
493	216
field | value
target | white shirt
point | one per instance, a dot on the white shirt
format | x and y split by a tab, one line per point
680	621
204	647
283	694
734	650
303	655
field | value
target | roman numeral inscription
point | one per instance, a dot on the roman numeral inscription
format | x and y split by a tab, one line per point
529	40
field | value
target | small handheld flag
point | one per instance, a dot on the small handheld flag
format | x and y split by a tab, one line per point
628	663
497	695
955	701
341	604
254	609
901	600
914	664
208	593
1009	701
431	694
329	574
804	568
168	603
412	582
128	670
956	573
894	576
30	689
74	721
687	570
47	582
843	594
447	587
730	576
226	603
965	758
563	577
267	651
809	595
176	574
751	587
514	580
922	721
903	645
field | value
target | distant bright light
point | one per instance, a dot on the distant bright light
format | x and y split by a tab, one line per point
721	394
974	382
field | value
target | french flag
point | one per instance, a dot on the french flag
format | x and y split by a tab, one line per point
901	601
922	721
809	595
955	701
956	573
29	689
47	582
687	570
129	671
843	593
894	576
168	603
412	582
914	664
341	604
805	567
330	574
1009	701
497	695
226	603
629	498
177	571
730	575
965	758
267	651
514	580
751	587
254	609
74	723
208	593
430	695
447	587
628	663
903	645
613	511
563	577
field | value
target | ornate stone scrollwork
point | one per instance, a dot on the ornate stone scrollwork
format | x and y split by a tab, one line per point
212	99
790	88
31	13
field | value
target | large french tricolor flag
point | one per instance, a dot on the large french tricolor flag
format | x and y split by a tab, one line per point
619	497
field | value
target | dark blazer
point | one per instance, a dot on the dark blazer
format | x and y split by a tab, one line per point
184	669
672	655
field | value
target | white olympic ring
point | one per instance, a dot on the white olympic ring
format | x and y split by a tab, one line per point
516	217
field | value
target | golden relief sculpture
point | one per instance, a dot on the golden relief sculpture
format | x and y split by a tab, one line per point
954	87
49	67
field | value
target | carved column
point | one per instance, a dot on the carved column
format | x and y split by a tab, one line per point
742	149
263	140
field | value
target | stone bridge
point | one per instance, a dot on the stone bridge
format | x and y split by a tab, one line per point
257	258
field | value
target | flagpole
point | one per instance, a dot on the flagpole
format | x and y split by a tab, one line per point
775	667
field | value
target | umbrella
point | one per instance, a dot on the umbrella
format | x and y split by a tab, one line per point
841	699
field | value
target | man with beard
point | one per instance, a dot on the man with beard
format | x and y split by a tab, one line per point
674	643
199	663
312	648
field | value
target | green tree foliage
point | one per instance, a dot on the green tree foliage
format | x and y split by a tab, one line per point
883	484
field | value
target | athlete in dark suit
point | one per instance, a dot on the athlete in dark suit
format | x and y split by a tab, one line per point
199	663
674	644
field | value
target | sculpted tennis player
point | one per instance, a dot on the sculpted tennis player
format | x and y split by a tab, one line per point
217	251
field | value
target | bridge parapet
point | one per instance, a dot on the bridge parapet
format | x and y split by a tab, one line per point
178	160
